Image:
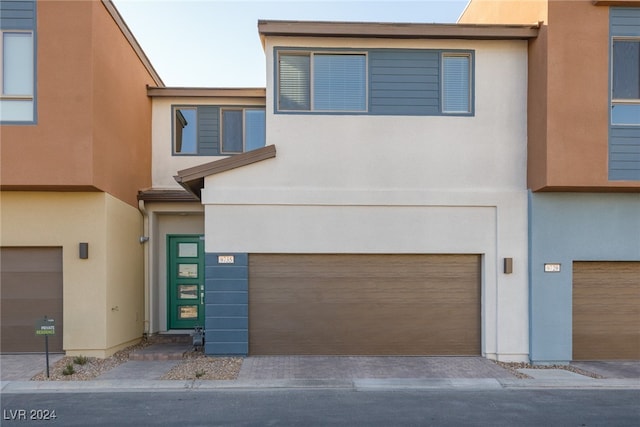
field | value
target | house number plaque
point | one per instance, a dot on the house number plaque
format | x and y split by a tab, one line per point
226	259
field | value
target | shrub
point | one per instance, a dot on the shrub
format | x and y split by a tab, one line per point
69	369
80	360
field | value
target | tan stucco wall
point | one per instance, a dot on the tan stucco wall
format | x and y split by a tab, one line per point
94	118
504	12
164	219
111	276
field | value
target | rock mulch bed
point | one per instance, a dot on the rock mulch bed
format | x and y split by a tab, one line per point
91	368
194	365
514	366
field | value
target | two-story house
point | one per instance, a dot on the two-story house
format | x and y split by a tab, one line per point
386	213
583	174
75	137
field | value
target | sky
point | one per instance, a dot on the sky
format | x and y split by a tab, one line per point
215	43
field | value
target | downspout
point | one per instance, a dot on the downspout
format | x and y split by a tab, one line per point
143	240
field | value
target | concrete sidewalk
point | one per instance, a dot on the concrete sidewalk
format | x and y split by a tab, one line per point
321	372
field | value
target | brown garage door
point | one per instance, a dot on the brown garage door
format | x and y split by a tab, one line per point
364	304
606	310
31	288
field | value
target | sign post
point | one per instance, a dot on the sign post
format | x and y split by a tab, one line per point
46	327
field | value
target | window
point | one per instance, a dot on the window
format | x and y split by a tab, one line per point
210	130
17	77
322	82
456	86
625	84
185	127
242	130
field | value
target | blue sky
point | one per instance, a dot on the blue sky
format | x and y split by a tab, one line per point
215	43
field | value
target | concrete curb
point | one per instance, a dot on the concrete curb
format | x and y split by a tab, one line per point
97	386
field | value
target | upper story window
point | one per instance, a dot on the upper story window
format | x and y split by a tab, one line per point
625	81
207	130
322	82
17	61
412	82
16	79
456	87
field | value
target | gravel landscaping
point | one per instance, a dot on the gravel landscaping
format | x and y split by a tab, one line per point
194	365
514	366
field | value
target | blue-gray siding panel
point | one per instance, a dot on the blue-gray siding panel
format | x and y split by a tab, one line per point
404	82
218	335
624	141
226	305
568	227
227	348
228	285
225	297
208	130
227	310
229	272
17	15
227	323
625	21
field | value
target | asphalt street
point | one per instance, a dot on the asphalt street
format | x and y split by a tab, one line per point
580	408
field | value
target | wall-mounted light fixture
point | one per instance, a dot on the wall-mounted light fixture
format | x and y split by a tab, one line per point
508	265
83	250
144	239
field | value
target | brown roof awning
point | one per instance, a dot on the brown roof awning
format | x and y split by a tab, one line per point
166	195
192	179
395	30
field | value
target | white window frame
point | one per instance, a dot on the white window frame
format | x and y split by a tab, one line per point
19	97
449	54
311	54
620	101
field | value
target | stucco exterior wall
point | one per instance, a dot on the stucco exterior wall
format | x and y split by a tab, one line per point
165	164
121	112
111	276
504	12
569	227
93	129
59	146
577	95
568	90
161	220
394	184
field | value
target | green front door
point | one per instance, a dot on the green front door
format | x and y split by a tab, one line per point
185	283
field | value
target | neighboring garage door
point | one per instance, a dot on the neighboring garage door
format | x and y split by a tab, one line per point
606	310
364	304
31	280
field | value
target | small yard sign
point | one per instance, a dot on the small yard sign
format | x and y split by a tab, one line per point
45	327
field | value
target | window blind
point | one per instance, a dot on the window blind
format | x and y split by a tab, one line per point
339	82
455	84
294	82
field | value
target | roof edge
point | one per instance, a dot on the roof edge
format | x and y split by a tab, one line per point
208	92
166	195
124	28
396	30
623	3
